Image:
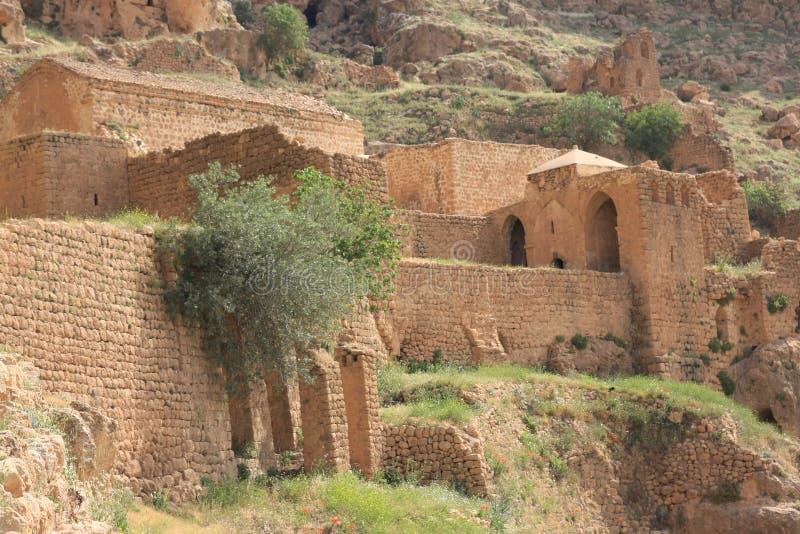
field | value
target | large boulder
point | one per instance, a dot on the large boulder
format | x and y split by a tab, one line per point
425	42
12	30
689	90
90	438
768	382
785	127
238	46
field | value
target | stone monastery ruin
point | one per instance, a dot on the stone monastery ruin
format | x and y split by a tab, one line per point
556	242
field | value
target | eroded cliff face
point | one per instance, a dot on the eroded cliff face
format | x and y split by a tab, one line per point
131	19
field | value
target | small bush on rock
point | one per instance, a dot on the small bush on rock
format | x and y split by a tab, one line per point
653	129
727	383
579	341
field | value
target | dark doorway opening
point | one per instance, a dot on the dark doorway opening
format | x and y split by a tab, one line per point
516	243
558	263
311	13
602	241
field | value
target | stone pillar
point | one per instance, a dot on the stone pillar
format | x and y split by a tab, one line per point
251	428
284	406
325	444
359	381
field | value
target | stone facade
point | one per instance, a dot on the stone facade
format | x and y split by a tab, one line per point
163	111
54	174
460	177
789	225
483	313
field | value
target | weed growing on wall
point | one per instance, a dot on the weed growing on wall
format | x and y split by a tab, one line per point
777	303
266	276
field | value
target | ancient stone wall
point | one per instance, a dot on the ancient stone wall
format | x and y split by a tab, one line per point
493	314
725	221
461	177
788	225
158	181
163	111
85	304
458	237
55	174
437	453
700	152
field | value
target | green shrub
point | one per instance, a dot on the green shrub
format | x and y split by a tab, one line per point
777	303
766	201
579	341
266	276
725	87
616	340
586	120
706	359
653	129
717	346
730	295
159	499
242	471
560	339
243	10
727	383
285	33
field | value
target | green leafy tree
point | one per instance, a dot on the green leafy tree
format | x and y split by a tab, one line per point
266	276
653	129
243	10
766	201
586	120
285	33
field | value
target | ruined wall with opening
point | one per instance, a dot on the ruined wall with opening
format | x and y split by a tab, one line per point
55	174
460	177
493	314
84	303
158	181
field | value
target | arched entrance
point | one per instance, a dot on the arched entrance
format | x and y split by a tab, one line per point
515	240
602	242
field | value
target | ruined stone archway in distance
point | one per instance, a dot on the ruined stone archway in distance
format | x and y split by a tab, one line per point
515	242
602	241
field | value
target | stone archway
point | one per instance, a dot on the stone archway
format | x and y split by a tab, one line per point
515	242
602	241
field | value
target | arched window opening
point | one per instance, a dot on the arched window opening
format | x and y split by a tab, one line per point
602	241
552	227
242	431
96	200
612	82
654	191
515	239
311	12
645	51
558	263
639	78
670	194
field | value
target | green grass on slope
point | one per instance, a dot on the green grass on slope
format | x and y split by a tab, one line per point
337	503
694	398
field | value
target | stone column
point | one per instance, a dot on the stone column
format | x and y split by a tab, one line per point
357	365
325	444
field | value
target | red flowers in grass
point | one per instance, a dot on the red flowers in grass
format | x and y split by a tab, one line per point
335	520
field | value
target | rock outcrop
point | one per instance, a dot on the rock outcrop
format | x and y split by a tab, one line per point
130	19
768	382
600	357
12	30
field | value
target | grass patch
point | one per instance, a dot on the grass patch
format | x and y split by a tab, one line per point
326	502
449	409
725	265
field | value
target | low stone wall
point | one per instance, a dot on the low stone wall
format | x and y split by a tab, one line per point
703	152
437	453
